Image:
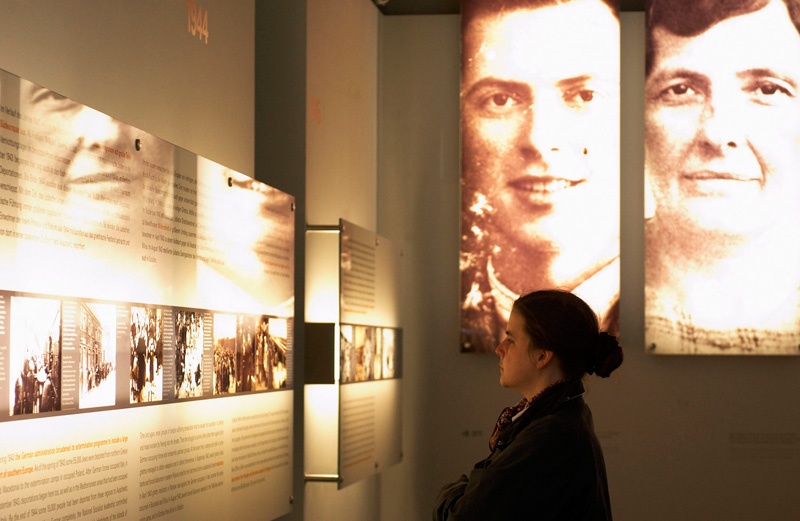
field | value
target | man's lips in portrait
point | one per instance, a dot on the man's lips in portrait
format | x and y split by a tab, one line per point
540	190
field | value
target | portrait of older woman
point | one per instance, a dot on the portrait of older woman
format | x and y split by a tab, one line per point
722	156
540	158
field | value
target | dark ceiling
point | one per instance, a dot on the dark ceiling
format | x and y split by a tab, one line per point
401	7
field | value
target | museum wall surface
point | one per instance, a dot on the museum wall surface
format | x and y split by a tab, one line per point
685	437
670	426
143	66
183	88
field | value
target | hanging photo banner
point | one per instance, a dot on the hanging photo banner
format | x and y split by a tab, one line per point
540	192
722	151
146	323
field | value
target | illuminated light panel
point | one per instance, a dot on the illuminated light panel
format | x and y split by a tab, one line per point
540	122
722	259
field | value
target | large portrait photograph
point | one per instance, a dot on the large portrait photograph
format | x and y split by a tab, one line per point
722	152
540	123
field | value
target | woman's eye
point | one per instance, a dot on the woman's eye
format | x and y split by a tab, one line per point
770	89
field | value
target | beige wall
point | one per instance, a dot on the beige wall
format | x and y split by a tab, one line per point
137	62
341	172
341	120
689	438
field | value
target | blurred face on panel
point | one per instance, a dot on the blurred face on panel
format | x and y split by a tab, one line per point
92	158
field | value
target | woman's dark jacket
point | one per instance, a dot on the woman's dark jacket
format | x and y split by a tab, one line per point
546	465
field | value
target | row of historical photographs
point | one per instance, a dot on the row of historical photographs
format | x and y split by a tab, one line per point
69	354
368	353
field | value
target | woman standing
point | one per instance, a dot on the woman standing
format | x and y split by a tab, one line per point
545	461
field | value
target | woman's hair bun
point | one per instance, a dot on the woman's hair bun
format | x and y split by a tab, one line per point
607	355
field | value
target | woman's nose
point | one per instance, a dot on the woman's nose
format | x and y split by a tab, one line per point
720	124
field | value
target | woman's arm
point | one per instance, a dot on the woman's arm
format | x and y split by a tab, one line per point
531	478
448	496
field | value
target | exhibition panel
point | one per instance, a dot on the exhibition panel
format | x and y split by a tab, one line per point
353	355
146	322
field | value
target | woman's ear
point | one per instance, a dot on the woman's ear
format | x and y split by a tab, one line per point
543	358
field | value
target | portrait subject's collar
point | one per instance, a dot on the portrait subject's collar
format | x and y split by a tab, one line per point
503	297
600	290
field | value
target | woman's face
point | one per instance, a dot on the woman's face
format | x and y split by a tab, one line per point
540	127
723	124
517	370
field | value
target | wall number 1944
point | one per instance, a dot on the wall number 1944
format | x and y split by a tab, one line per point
198	20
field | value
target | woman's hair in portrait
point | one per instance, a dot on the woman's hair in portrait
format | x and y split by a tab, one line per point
693	17
561	322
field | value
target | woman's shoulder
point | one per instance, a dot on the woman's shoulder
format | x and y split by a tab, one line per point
553	440
571	421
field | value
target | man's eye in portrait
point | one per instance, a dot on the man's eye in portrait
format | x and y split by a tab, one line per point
501	104
679	94
500	100
579	98
497	99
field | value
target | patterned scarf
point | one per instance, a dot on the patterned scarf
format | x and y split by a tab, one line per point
505	419
508	414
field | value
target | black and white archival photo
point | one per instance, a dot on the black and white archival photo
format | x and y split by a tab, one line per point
147	350
35	355
98	351
188	353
